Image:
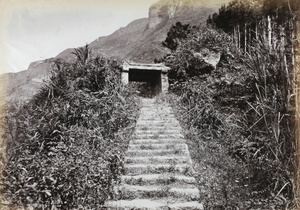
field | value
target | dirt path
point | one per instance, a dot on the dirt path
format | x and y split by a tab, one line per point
158	167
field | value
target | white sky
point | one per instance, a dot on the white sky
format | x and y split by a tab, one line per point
32	30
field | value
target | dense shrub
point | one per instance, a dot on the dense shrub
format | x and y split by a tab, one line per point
183	62
65	148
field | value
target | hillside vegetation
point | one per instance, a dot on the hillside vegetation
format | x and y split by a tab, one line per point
65	148
240	117
138	41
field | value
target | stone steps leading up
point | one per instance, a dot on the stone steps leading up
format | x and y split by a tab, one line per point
158	171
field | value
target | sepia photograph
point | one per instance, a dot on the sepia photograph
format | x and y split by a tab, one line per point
150	104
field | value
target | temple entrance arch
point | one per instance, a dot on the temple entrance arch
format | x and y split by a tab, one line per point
156	75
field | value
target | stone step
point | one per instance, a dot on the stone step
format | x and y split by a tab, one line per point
156	131
154	107
159	160
158	141
157	146
195	205
171	121
162	126
157	115
157	112
135	169
151	153
157	136
159	123
157	191
150	204
156	127
158	118
165	183
159	127
167	178
145	113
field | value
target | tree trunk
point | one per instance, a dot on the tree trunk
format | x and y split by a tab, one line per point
294	37
239	38
269	31
245	47
263	29
282	39
236	37
233	36
256	29
250	34
297	105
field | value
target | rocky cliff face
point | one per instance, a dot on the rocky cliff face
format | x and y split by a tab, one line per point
170	10
139	41
161	11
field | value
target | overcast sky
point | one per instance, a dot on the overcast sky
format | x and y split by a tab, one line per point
33	30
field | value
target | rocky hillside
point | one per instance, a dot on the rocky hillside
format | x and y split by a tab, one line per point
139	41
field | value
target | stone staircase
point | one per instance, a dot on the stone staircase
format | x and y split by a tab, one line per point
158	167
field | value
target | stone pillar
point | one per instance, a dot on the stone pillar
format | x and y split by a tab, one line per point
125	77
125	74
164	82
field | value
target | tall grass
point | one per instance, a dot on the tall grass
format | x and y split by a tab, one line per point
65	148
222	180
242	114
272	115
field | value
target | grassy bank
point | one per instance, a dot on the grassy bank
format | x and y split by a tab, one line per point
65	148
239	119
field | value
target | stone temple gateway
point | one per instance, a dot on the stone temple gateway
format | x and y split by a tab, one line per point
154	74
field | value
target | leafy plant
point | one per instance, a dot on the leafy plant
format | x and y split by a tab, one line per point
271	117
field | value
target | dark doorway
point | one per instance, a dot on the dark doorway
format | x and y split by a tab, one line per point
150	81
